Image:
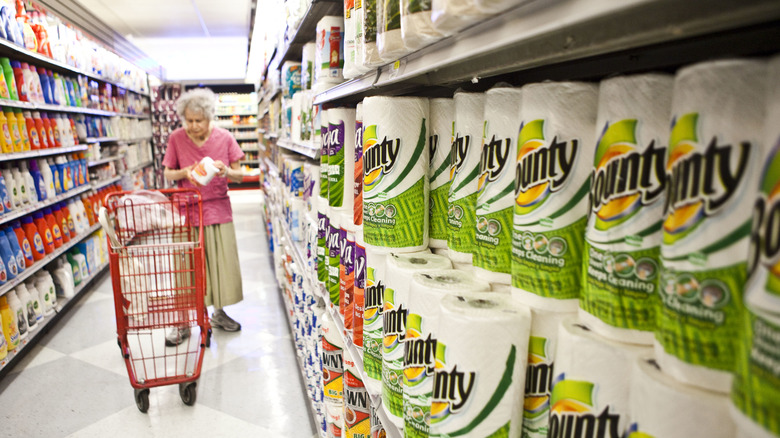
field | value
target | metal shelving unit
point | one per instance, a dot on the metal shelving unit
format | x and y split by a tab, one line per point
104	160
302	148
307	27
42	153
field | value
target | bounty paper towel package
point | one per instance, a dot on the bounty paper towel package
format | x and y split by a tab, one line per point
464	169
551	192
416	25
376	282
496	182
662	407
371	56
480	365
592	377
426	293
334	256
329	57
395	173
389	40
347	268
341	160
623	233
358	172
715	151
323	252
399	271
442	118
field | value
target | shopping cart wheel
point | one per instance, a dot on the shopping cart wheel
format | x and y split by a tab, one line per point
142	399
188	392
208	339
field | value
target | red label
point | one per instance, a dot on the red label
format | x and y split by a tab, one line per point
335	47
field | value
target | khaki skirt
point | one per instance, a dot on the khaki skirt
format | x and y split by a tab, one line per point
223	271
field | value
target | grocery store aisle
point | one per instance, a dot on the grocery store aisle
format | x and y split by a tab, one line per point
74	382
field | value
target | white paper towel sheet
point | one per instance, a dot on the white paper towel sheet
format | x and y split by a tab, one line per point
439	142
558	124
480	366
399	271
496	183
464	168
592	377
416	25
376	283
621	269
717	110
341	160
395	172
663	407
329	57
427	291
450	16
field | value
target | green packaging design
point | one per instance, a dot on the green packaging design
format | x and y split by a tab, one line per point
334	257
419	366
442	116
438	216
395	172
369	18
323	254
391	14
538	383
372	314
341	162
394	333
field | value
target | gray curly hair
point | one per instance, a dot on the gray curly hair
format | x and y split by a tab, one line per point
198	100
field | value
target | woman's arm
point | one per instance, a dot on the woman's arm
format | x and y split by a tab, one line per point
234	172
178	174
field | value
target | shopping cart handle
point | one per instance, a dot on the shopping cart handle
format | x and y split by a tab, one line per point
103	219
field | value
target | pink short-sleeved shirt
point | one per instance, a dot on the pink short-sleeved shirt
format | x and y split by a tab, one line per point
220	145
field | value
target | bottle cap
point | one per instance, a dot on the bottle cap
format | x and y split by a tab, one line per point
38	215
16	64
27	220
46	211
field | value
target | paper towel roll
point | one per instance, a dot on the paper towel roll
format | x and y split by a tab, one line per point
353	60
467	267
296	219
291	78
717	110
308	53
496	182
377	429
311	185
400	268
442	119
307	105
329	58
462	197
395	172
662	407
334	256
294	170
341	162
323	253
622	237
324	156
357	421
416	24
371	56
747	428
332	363
374	294
558	123
335	420
359	290
295	121
358	172
347	269
426	293
389	39
480	364
360	29
450	16
592	375
440	251
316	126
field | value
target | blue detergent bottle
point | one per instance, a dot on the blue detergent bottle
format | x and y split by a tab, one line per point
15	248
9	259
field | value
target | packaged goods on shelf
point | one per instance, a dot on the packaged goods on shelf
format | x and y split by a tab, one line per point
329	57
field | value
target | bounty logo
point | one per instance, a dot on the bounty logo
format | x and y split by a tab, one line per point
573	413
765	235
698	184
393	325
495	154
538	379
624	180
378	157
373	295
458	152
419	352
433	146
451	392
541	169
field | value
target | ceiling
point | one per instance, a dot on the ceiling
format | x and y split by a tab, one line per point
192	39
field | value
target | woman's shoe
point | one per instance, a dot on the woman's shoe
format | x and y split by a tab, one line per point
176	335
219	319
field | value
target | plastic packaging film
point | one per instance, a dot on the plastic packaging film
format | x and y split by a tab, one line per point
496	182
623	234
416	24
371	56
496	6
662	407
334	256
341	162
399	271
358	171
334	420
353	60
442	118
316	125
329	57
426	293
395	173
389	40
464	168
717	119
480	365
450	16
551	204
295	121
308	53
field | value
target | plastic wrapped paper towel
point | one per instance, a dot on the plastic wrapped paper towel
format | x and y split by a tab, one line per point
329	58
442	119
335	420
291	78
551	203
334	256
399	271
662	407
416	25
496	182
464	168
371	56
376	283
353	59
308	53
316	125
426	293
623	237
295	120
450	16
357	421
332	363
323	229
496	6
358	172
717	118
324	156
389	40
347	268
480	365
359	290
395	173
341	160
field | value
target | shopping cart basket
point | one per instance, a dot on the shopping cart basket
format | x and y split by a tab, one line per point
158	276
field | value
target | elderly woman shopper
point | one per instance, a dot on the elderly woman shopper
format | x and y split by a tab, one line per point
199	138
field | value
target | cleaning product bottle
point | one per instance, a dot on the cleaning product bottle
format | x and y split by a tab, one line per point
75	211
78	131
32	133
30	182
63	277
10	327
51	221
41	130
75	269
13	190
38	182
45	286
35	83
45	86
34	237
32	90
3	343
26	146
59	91
13	126
55	175
21	184
6	141
52	88
5	198
10	80
4	92
9	258
53	141
70	92
48	178
71	222
88	210
16	250
20	312
61	222
55	130
44	231
21	85
81	259
24	243
31	296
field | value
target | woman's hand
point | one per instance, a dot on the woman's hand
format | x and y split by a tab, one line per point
188	175
223	169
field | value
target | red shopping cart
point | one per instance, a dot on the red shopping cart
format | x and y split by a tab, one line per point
158	276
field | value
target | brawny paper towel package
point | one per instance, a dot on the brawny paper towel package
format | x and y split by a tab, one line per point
376	283
335	420
400	268
450	16
426	293
389	40
353	60
329	57
357	421
359	290
371	56
324	156
341	162
347	268
395	173
717	118
332	364
480	365
551	201
416	25
358	172
662	407
464	169
496	183
323	252
334	256
308	53
623	234
442	118
377	430
592	377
